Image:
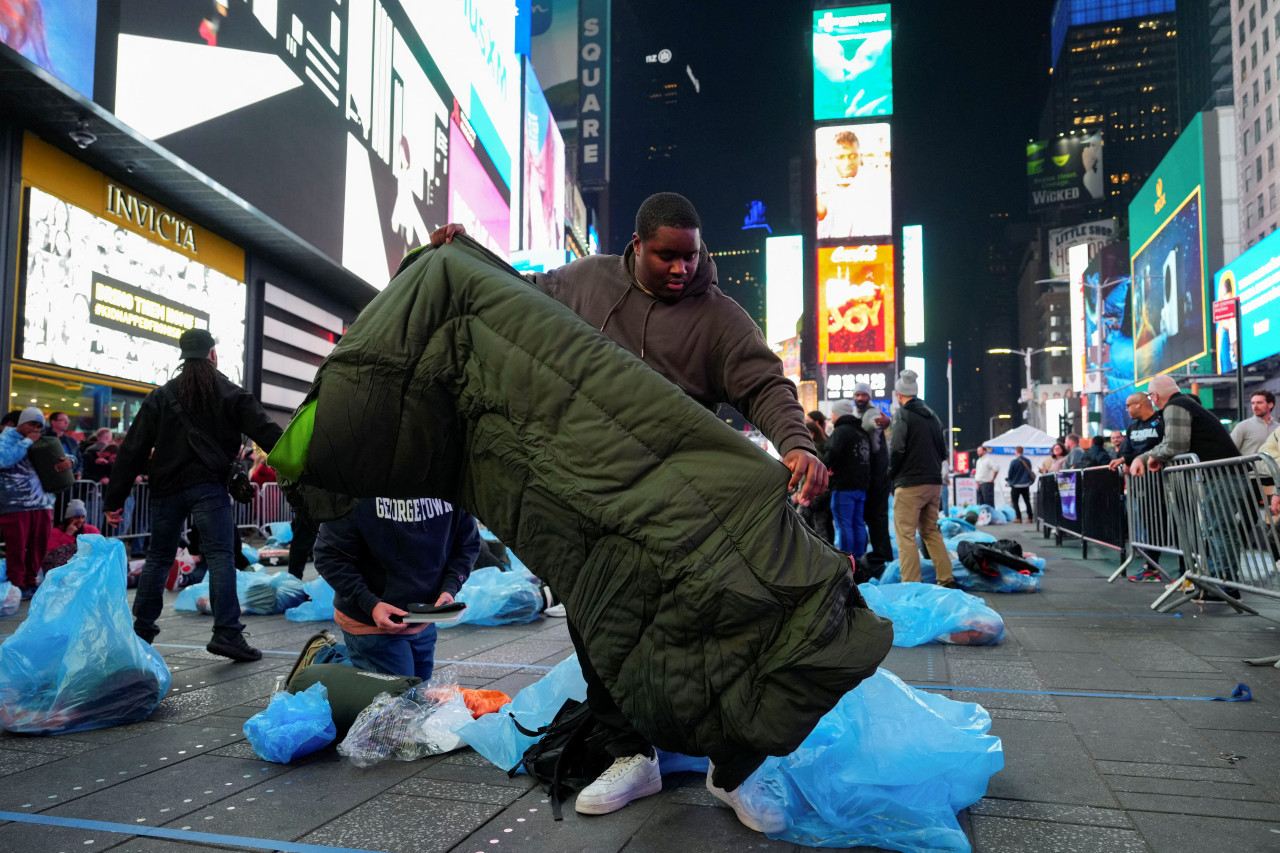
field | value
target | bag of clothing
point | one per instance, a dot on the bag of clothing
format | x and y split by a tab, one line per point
889	767
497	737
318	607
406	727
1005	579
75	664
497	597
923	613
293	725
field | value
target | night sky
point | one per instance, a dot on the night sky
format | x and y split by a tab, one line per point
971	80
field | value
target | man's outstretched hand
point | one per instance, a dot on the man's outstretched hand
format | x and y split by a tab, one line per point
807	473
445	234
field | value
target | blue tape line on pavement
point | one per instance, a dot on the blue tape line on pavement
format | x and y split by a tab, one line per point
178	834
1240	694
1095	615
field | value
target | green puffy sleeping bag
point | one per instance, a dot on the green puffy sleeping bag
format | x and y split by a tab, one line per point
721	625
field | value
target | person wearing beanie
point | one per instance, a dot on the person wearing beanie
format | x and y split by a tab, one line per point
25	520
876	509
917	452
62	539
190	428
849	458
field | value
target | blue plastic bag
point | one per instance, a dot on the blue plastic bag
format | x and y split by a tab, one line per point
75	664
10	599
922	613
279	534
250	554
495	597
293	725
889	767
1009	580
320	606
260	594
1006	512
290	591
674	762
496	737
953	526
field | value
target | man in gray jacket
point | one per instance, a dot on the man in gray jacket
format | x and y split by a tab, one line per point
916	454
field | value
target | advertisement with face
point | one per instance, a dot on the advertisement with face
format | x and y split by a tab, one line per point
542	218
854	181
554	30
1254	278
1065	171
104	299
319	115
57	35
852	62
1168	294
474	201
855	304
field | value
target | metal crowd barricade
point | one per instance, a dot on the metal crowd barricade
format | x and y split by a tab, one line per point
1099	509
1225	532
272	506
1151	532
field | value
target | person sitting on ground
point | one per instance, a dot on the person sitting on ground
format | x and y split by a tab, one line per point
62	538
380	558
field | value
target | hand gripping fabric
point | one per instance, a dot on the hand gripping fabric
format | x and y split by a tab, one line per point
75	663
719	623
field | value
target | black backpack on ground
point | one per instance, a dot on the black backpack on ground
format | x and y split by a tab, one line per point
570	753
983	559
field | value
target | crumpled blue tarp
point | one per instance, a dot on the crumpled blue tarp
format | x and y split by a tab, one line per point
889	767
495	597
922	613
260	593
75	664
318	607
293	725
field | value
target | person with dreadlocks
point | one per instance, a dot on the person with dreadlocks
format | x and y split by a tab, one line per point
193	423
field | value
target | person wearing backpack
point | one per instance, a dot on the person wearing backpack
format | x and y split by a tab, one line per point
193	423
1019	477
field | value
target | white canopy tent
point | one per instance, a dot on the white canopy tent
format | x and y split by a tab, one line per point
1036	445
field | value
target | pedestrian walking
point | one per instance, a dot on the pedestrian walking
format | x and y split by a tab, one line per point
916	454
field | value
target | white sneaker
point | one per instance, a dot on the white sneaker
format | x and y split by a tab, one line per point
556	611
774	823
627	779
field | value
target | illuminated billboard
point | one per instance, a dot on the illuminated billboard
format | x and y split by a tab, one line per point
913	284
1108	329
100	297
1254	278
542	213
783	287
852	62
1168	260
855	304
843	380
1065	171
1168	295
1092	234
57	35
1077	262
474	199
854	170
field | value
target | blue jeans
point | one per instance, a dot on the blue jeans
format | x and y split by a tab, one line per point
209	506
846	512
389	654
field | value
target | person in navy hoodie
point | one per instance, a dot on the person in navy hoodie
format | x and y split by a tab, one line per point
379	558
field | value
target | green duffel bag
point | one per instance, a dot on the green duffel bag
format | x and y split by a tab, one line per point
351	690
45	454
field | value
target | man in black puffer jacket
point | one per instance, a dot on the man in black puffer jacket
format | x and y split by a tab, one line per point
916	454
849	458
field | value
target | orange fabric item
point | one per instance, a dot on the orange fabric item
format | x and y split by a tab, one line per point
481	702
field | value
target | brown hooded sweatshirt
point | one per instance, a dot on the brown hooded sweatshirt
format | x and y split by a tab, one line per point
703	341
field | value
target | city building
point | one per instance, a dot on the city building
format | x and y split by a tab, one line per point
1255	29
1204	56
1114	66
742	276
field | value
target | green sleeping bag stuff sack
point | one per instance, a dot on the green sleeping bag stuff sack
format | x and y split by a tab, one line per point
351	690
45	454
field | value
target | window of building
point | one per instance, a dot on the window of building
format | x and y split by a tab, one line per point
1269	113
1261	207
1242	33
1246	140
1248	215
1253	55
1257	129
1271	157
1248	179
1271	196
1257	166
1266	79
1253	19
1255	93
1266	40
1244	69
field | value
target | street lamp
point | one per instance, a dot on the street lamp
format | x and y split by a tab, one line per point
992	420
1026	355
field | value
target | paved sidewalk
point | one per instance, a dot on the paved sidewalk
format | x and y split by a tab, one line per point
1082	773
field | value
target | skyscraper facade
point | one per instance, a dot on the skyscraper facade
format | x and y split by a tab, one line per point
1255	26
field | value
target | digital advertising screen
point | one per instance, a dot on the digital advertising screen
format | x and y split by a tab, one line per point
843	380
543	214
319	115
913	283
1253	278
1168	294
852	62
101	298
1065	171
783	286
1093	234
1108	306
474	201
855	304
854	178
58	35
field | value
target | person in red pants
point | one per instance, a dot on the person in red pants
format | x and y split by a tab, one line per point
25	520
